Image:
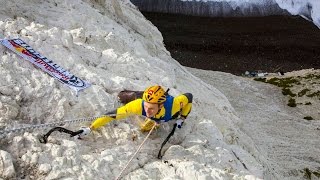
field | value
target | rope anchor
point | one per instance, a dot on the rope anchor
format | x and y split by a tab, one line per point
44	138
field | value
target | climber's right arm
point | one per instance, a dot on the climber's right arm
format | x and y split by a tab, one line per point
133	107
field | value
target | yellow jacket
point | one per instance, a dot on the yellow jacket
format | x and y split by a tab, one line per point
173	108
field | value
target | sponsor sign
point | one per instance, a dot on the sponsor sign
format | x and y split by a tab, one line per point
25	51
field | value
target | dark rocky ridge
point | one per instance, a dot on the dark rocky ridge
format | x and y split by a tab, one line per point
211	8
237	44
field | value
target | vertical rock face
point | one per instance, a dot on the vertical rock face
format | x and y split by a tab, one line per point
212	8
111	45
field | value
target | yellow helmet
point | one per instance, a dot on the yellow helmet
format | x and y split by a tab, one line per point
154	94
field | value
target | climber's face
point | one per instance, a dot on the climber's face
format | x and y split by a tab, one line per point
152	109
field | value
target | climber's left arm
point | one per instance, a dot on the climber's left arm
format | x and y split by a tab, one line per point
184	103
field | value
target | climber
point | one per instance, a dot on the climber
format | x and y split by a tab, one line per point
155	104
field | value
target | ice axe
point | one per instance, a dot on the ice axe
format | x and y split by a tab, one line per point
44	138
166	140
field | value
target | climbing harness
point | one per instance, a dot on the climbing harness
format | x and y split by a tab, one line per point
166	140
136	152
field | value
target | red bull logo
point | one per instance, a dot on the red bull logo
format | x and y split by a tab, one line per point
150	92
20	49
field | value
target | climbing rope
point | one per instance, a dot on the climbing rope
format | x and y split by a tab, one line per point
136	151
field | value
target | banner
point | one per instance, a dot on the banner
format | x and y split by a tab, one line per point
25	51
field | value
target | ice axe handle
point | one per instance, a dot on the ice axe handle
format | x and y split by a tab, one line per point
166	140
44	138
